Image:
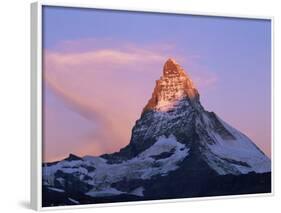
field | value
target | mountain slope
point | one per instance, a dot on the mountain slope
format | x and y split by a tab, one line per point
175	109
175	141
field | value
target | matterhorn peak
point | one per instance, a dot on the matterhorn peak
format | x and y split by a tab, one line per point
171	67
173	86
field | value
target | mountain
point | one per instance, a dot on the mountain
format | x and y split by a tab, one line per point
177	150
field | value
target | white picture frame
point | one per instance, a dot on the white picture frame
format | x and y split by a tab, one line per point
36	102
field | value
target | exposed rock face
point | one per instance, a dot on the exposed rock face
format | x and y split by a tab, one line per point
171	87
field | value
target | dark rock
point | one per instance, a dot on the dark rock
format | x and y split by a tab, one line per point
72	157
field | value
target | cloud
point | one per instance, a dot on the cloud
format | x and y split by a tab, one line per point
205	80
114	57
94	44
107	83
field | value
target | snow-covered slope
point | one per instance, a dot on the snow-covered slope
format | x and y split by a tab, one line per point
161	158
233	153
240	152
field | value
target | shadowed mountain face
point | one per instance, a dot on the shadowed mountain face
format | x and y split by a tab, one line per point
175	141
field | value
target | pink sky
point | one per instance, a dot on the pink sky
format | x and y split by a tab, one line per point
95	91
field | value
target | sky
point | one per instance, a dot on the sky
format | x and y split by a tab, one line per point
100	67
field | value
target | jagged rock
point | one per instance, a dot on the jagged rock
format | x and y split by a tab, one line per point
72	157
171	87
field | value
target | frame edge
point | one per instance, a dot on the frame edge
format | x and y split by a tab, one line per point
35	195
36	115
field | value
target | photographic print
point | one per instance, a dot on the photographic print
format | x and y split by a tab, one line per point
141	106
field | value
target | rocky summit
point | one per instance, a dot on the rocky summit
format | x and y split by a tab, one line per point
177	150
173	85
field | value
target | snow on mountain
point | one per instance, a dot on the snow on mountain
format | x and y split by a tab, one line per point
242	153
103	174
